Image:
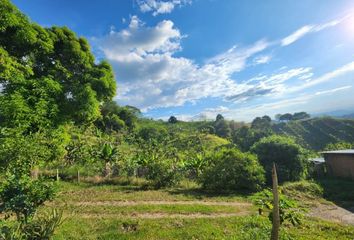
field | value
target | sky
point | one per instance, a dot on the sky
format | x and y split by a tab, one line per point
196	58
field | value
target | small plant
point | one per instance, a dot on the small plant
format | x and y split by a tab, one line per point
42	227
289	211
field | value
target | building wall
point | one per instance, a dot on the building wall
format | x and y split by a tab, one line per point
340	165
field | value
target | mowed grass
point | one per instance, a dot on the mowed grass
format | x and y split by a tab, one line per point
110	192
123	212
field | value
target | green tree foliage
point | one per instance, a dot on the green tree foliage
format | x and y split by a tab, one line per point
246	137
316	133
48	76
20	153
172	119
261	123
21	195
221	126
338	146
289	157
230	169
286	117
300	115
159	161
219	117
156	132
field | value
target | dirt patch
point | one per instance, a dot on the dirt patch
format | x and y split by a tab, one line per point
333	213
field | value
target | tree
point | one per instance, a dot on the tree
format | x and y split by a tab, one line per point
48	79
230	169
300	116
261	123
277	116
286	117
222	128
49	76
288	156
338	146
219	117
115	117
172	119
245	137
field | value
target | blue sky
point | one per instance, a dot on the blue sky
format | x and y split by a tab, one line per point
197	58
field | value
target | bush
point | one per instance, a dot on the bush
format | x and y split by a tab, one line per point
230	169
338	146
302	187
42	227
21	195
289	211
163	173
288	156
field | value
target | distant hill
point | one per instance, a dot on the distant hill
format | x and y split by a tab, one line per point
345	113
316	133
348	116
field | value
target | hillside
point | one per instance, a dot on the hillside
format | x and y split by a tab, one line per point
316	133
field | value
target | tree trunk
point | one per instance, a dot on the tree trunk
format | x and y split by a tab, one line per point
276	219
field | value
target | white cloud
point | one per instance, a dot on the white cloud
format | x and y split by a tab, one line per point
149	76
135	42
160	7
333	90
262	59
347	68
301	32
297	35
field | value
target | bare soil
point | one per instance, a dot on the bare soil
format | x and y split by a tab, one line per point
333	213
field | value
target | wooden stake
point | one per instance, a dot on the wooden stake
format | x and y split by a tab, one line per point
276	219
78	176
57	175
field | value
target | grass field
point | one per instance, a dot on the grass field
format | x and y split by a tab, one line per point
102	211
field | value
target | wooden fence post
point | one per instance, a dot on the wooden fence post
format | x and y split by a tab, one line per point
57	175
276	219
78	176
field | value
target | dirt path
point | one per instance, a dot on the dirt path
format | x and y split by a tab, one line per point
332	213
163	215
135	203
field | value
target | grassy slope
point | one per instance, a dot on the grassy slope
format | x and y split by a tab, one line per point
90	215
316	133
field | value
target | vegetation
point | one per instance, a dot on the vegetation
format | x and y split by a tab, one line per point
230	169
288	156
57	116
316	133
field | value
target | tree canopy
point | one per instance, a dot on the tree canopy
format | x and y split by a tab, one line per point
48	75
288	156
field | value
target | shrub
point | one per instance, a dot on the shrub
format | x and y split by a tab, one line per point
338	146
163	173
230	169
21	195
42	227
307	188
289	210
288	156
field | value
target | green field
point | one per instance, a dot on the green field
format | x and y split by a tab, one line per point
102	211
